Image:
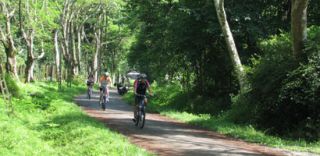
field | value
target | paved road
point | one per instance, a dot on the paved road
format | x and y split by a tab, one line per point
165	136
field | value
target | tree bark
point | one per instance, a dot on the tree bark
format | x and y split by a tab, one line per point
299	28
97	53
233	53
57	55
74	61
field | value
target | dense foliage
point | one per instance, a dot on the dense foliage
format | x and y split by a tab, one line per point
290	91
179	43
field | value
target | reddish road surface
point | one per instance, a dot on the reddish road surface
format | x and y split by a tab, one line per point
165	136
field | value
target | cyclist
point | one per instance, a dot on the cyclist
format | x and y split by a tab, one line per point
104	82
140	88
90	83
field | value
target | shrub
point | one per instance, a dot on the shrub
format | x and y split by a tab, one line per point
79	80
284	96
299	101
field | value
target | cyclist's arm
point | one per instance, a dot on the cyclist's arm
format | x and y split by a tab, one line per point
135	86
100	81
149	88
110	81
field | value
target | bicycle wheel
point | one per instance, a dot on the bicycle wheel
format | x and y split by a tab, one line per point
104	103
142	119
137	121
89	93
100	101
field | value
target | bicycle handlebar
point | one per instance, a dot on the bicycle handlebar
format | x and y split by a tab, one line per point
142	95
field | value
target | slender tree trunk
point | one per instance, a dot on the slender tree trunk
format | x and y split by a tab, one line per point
233	53
299	28
79	47
96	54
57	55
74	62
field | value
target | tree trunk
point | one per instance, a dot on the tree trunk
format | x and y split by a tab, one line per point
11	65
97	53
30	56
233	53
299	28
57	57
29	70
79	47
74	62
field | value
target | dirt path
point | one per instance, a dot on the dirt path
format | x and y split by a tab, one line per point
164	136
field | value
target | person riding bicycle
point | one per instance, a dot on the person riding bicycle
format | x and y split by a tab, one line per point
140	88
104	82
90	81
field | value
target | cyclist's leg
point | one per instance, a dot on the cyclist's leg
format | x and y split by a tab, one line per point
103	89
107	94
135	108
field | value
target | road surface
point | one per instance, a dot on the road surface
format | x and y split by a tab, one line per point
164	136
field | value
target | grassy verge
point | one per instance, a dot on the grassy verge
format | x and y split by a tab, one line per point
168	99
47	122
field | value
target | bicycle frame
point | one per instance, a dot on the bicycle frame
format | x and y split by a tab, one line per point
140	112
104	94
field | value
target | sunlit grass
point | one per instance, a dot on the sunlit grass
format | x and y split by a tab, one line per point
47	122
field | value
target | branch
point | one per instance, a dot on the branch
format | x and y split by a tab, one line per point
41	55
20	52
42	52
11	13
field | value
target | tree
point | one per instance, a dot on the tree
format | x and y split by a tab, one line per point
232	49
28	30
299	27
7	38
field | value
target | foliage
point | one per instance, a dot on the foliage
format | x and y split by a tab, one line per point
290	91
79	80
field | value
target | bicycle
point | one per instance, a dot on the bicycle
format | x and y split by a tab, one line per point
141	115
89	90
103	98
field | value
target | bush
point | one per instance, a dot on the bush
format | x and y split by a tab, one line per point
284	96
299	101
79	80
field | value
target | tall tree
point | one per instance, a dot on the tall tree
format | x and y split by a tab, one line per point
299	27
232	49
7	38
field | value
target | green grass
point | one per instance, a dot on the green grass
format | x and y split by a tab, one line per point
47	122
168	98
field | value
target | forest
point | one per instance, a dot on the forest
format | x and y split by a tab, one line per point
253	64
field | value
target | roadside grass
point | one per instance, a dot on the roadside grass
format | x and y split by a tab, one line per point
47	122
168	99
